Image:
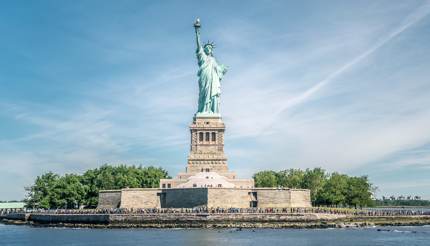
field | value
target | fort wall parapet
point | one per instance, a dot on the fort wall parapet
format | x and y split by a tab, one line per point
207	197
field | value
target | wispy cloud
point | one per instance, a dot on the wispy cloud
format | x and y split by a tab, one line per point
409	21
307	129
319	92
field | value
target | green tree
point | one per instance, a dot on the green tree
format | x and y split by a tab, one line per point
334	190
41	194
326	189
291	178
396	202
359	192
72	191
151	176
266	179
109	177
314	180
69	192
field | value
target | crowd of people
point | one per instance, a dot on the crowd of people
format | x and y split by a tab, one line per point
4	211
205	210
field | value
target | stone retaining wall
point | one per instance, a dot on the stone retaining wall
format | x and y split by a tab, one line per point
234	198
185	198
199	220
109	199
70	218
140	198
208	197
17	216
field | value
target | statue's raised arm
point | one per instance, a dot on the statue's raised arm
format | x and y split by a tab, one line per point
197	29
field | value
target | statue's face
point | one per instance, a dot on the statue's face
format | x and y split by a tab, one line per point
208	49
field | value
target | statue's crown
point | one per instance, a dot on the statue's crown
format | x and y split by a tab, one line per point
209	43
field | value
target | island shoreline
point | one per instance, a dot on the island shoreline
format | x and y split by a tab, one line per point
211	221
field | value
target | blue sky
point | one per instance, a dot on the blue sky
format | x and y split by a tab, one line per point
343	85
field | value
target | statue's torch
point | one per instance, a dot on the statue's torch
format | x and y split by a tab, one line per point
197	23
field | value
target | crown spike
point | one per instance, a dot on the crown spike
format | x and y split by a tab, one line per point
210	43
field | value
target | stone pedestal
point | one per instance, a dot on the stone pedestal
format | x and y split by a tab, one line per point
207	158
207	145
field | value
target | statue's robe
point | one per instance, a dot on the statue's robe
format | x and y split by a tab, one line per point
210	74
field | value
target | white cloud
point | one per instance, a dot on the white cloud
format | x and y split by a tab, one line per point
276	115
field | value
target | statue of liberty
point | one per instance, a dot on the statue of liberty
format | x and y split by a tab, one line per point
210	74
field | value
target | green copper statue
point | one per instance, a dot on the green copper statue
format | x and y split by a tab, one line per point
210	74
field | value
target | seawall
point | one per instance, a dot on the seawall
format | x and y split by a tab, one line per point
202	220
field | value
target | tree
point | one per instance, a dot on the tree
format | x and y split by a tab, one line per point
359	191
151	176
291	178
266	179
326	189
314	180
334	190
72	191
109	177
41	194
69	192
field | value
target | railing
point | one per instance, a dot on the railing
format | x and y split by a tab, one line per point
5	211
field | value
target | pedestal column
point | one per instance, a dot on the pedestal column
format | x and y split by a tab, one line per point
207	145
